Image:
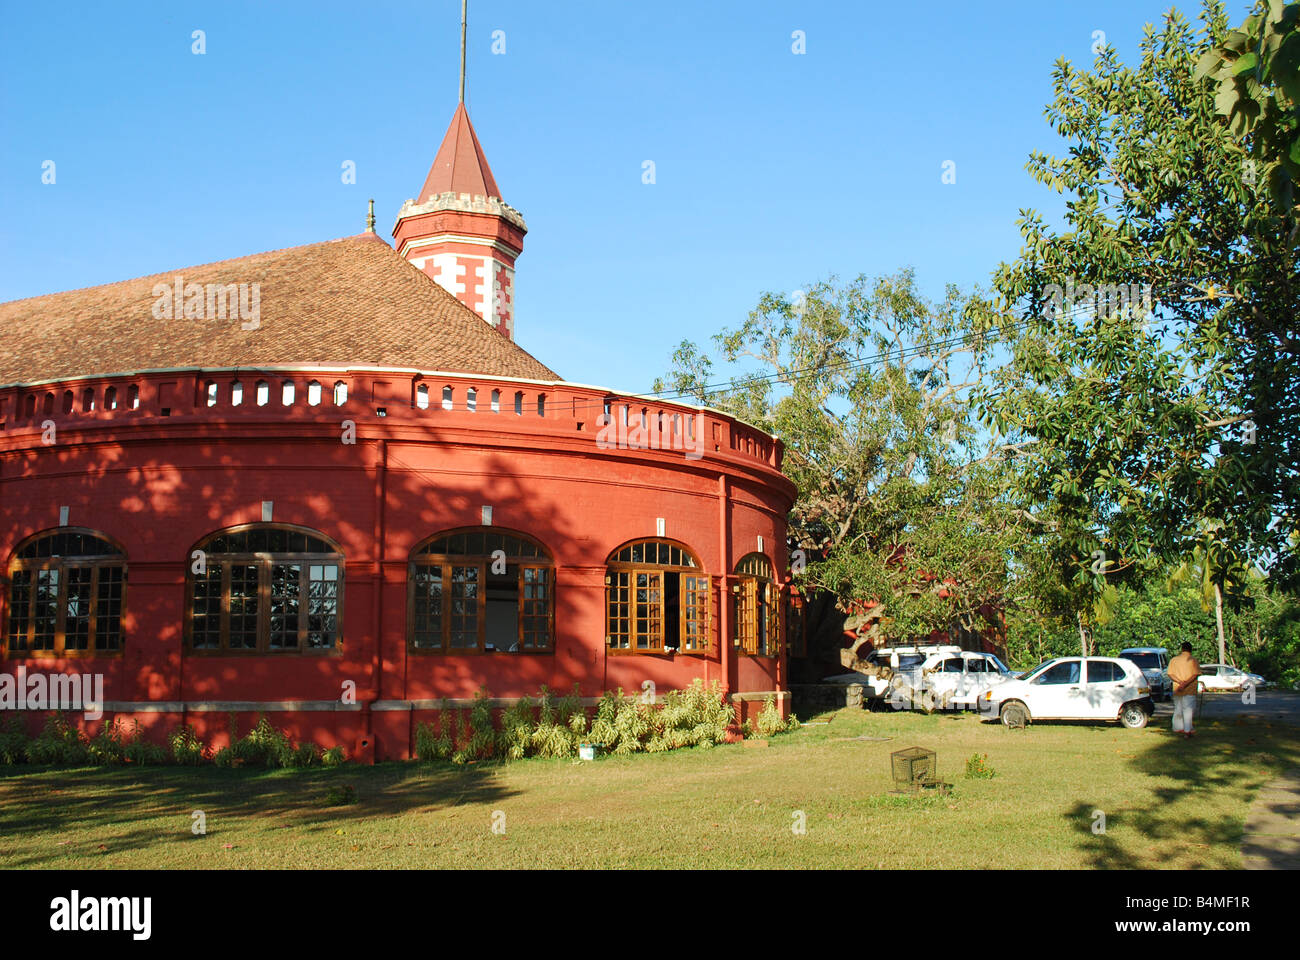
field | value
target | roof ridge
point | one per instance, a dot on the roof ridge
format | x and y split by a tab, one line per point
195	266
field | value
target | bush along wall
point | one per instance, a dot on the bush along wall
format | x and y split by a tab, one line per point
697	716
62	743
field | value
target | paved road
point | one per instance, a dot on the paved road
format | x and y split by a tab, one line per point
1275	705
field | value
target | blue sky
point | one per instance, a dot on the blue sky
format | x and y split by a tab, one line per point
773	170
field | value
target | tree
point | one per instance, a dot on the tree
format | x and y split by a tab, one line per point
1143	355
867	385
1256	70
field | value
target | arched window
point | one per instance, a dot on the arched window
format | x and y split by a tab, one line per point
67	401
519	403
758	625
66	590
133	397
541	404
471	400
29	405
313	393
264	588
481	590
340	393
286	393
263	393
447	401
211	389
48	406
236	393
110	398
422	396
496	401
656	599
88	400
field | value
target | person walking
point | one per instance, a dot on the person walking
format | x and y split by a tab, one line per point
1184	671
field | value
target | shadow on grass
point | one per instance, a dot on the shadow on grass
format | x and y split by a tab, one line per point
127	802
1235	756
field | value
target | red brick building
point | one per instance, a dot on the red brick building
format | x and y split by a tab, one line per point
316	484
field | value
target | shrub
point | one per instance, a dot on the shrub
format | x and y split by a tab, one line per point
333	757
187	749
977	767
769	721
107	746
483	740
59	742
517	729
13	741
142	752
264	746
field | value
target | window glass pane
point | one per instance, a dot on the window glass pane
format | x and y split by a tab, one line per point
427	627
206	607
20	598
76	613
649	611
46	610
536	608
322	606
1064	672
286	590
465	583
617	613
243	606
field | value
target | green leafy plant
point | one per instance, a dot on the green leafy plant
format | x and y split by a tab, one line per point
187	749
13	741
58	743
333	757
977	767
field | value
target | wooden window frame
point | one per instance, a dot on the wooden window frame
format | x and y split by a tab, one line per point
446	561
627	608
758	590
265	562
93	562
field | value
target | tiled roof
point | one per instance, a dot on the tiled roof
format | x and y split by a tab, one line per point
460	166
347	301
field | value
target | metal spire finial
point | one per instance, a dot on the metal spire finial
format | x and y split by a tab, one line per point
463	11
370	218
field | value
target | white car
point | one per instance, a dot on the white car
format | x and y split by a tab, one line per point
960	679
904	665
1074	688
1218	677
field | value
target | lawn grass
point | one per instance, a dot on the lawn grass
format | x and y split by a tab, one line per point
1167	802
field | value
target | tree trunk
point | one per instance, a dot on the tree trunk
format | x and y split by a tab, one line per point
1218	618
1083	636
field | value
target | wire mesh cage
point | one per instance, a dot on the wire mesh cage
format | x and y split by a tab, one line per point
913	765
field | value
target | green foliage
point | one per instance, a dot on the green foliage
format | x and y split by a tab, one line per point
187	749
769	722
263	746
977	767
13	741
1256	74
58	743
430	745
333	757
1148	428
900	501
